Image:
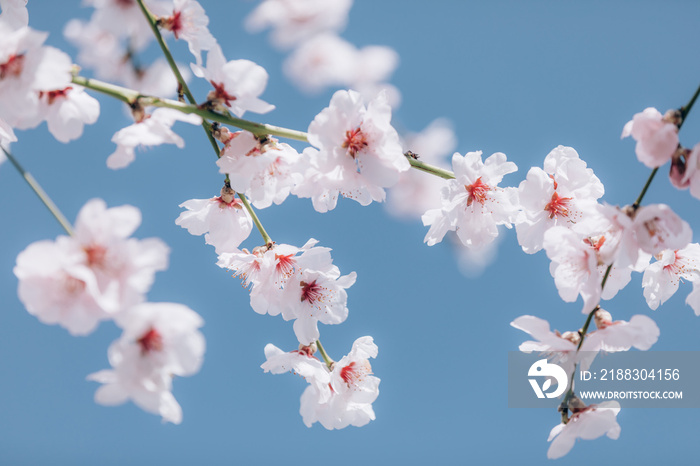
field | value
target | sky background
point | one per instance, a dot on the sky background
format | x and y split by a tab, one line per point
513	77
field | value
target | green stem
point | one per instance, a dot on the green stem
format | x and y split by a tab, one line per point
129	96
255	218
638	202
432	169
329	362
686	109
36	187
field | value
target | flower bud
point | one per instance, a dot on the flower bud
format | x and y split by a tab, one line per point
602	318
308	350
573	337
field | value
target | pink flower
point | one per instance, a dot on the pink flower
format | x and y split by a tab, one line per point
472	204
359	152
295	20
95	275
691	176
588	424
223	218
237	83
160	340
640	332
656	228
657	138
338	398
661	279
153	130
189	22
563	193
264	172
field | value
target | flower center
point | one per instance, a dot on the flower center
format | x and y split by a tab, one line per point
477	191
285	264
152	340
12	67
354	373
355	141
96	255
558	206
311	292
51	96
219	95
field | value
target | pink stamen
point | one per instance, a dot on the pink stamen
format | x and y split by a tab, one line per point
558	206
152	340
355	141
477	191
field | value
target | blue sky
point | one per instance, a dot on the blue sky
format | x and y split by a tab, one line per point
515	77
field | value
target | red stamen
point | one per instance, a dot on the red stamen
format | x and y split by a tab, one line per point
285	264
219	94
311	292
355	141
477	191
558	206
51	96
150	341
12	67
96	255
595	243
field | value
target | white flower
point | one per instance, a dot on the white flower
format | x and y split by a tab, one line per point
561	194
326	60
66	111
588	424
353	390
160	340
661	279
656	228
359	152
95	275
640	332
265	173
338	398
152	131
472	204
223	218
315	293
14	13
574	267
189	22
26	68
295	20
237	83
657	138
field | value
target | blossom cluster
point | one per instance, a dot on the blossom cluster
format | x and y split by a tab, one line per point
99	272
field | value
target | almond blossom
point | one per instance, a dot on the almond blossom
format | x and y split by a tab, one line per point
472	204
656	136
588	423
237	83
66	111
94	275
27	68
223	220
562	193
189	22
656	227
640	332
153	130
337	399
295	20
358	152
327	60
160	340
574	267
315	293
265	171
661	278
